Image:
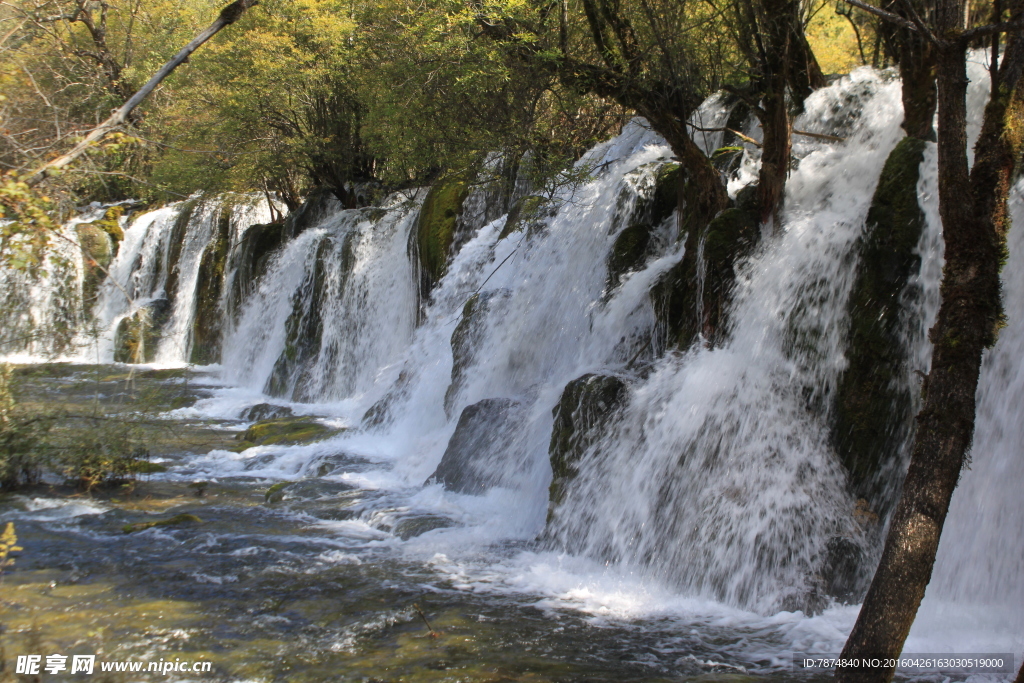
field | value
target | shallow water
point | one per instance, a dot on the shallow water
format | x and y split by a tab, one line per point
338	579
328	582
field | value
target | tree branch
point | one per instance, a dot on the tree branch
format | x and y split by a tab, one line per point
228	15
888	16
982	31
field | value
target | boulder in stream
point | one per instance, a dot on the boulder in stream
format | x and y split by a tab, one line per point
482	448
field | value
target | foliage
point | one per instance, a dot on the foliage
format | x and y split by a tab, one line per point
8	545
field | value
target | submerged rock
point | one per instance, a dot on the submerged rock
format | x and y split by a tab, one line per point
873	404
484	436
284	431
586	404
176	520
265	411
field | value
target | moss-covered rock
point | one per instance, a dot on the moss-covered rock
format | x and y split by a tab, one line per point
137	335
98	250
435	229
208	319
527	213
687	307
275	494
147	467
265	411
480	448
586	404
110	224
728	238
873	406
285	431
631	249
667	184
466	339
176	520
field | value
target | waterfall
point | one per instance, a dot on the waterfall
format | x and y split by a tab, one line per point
336	305
718	478
43	310
714	478
157	271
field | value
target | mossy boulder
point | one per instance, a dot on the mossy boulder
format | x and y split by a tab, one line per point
176	520
636	242
873	405
435	229
728	238
208	319
685	306
631	249
667	184
98	250
284	431
527	213
275	494
466	339
586	404
480	449
137	334
265	411
147	467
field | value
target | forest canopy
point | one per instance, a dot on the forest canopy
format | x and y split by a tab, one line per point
321	92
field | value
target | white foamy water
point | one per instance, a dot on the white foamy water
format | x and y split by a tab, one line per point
707	504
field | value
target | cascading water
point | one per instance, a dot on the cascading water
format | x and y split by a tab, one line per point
337	304
42	312
718	476
707	508
157	269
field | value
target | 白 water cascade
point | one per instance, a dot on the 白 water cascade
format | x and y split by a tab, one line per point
150	297
701	516
336	305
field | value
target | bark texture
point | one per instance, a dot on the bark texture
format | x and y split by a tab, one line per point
974	228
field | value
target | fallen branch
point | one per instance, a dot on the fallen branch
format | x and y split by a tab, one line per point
752	141
228	15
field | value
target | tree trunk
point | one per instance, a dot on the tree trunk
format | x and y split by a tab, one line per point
780	21
974	228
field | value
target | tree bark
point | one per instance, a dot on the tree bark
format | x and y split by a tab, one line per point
974	230
228	15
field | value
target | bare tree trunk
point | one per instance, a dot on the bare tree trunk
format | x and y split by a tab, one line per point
974	229
228	15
